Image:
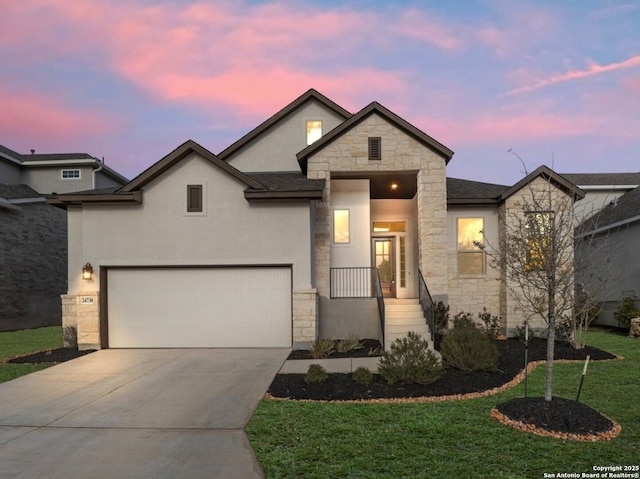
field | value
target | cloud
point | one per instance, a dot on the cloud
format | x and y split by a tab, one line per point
420	25
593	69
33	118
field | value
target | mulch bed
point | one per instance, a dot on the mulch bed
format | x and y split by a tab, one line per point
560	418
453	383
51	356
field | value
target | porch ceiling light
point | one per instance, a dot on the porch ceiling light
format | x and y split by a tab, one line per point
394	185
87	272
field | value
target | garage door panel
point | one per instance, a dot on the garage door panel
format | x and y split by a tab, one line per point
199	307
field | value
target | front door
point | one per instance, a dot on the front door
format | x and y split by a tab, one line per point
384	261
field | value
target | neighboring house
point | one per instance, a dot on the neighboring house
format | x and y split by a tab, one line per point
33	235
318	223
601	189
614	231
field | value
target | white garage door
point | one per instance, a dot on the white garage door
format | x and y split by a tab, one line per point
199	307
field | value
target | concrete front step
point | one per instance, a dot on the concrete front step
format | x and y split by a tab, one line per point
403	314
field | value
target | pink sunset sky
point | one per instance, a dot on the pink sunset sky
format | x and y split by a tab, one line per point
556	82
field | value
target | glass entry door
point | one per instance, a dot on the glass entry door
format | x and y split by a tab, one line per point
384	261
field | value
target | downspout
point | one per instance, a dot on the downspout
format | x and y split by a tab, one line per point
96	170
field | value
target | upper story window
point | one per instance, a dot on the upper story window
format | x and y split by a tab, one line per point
470	256
194	198
70	174
375	148
314	130
539	233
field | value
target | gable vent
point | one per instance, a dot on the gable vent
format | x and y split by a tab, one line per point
194	198
375	148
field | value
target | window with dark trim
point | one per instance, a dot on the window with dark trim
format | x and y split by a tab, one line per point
194	198
375	148
470	255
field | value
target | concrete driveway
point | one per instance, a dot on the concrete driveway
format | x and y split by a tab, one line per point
135	413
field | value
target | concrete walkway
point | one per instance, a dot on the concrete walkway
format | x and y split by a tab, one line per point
156	413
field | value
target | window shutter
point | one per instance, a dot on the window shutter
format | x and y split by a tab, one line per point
375	148
194	198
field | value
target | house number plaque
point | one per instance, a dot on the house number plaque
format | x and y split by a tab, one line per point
87	300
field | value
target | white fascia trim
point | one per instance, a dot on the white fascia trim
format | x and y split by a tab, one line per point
60	163
5	204
609	227
10	158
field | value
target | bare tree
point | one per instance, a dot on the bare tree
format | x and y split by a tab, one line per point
540	256
535	255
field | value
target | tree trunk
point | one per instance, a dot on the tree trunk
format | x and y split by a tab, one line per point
551	342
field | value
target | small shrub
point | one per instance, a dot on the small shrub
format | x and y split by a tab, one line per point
490	323
321	348
316	374
469	349
626	312
464	320
441	320
409	361
362	376
350	343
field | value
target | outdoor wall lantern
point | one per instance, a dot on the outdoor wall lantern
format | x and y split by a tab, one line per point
87	272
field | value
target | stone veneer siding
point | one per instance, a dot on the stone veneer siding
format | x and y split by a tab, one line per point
305	317
400	152
81	320
510	213
33	265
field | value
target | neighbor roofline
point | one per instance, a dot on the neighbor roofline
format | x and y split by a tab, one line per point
367	111
310	94
177	155
608	227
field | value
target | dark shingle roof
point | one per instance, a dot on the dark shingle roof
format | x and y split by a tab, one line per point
596	179
287	181
625	208
9	152
56	157
458	189
12	192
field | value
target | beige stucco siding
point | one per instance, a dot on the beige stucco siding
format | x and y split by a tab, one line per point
275	150
49	180
160	231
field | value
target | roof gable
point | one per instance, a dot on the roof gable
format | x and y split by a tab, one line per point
388	115
309	95
549	175
187	148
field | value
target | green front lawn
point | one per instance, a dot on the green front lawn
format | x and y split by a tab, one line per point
15	343
451	439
